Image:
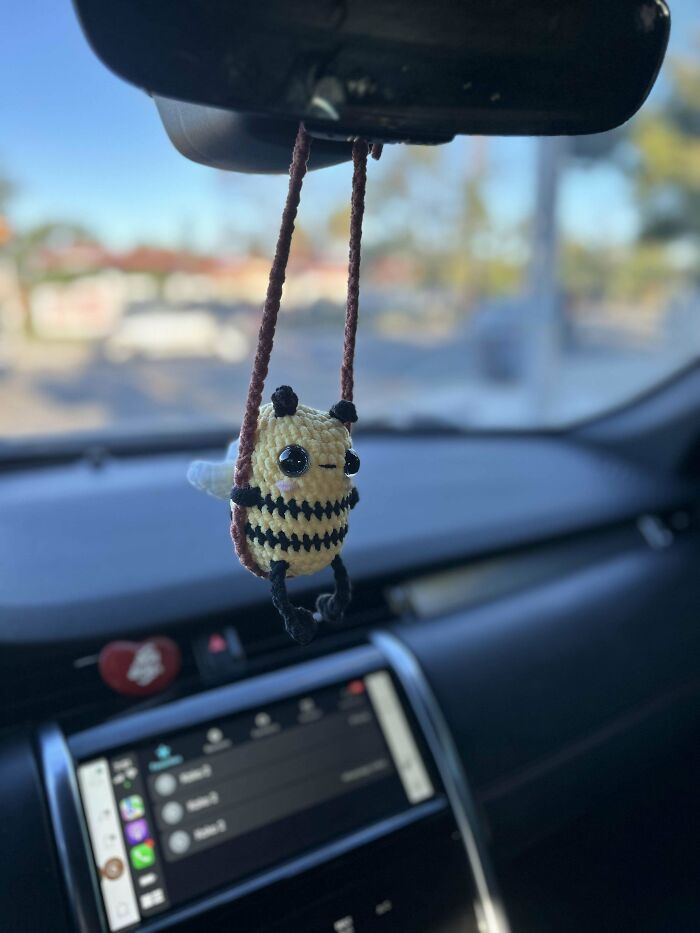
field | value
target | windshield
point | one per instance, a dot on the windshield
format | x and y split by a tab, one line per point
506	282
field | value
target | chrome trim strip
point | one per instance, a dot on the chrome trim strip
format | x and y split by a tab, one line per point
70	830
441	744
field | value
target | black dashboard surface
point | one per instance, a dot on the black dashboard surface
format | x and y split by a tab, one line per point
555	694
103	551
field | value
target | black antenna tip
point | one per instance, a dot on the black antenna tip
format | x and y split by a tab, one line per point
284	401
344	411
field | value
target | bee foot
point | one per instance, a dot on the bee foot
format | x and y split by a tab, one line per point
300	624
328	610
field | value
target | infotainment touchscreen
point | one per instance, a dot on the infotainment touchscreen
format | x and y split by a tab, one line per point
178	816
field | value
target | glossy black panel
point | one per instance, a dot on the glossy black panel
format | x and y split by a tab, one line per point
422	71
562	693
32	896
386	887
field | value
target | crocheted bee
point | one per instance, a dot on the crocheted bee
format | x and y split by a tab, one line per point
297	501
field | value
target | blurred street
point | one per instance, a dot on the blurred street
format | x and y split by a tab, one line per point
63	387
506	283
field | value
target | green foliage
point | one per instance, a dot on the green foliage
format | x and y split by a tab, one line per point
668	171
26	244
629	274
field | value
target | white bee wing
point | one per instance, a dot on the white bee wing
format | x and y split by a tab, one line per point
216	479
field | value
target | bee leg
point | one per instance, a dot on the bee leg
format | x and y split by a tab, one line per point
330	607
299	623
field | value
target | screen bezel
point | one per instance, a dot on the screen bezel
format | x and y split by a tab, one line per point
241	698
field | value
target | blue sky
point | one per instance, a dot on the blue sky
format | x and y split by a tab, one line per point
82	145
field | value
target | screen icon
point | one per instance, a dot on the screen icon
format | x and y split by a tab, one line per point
131	808
383	907
153	899
109	840
172	812
136	832
308	710
215	735
165	784
142	856
179	842
112	869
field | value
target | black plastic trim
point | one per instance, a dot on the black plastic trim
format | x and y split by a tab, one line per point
437	734
70	830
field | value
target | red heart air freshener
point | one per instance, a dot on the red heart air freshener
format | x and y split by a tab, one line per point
139	669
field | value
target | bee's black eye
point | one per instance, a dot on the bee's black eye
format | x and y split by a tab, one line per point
293	460
352	462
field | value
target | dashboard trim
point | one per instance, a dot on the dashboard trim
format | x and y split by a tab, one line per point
70	830
436	733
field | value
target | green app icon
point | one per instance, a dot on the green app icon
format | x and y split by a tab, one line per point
142	856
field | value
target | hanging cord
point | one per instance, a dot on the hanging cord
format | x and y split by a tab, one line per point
360	151
266	336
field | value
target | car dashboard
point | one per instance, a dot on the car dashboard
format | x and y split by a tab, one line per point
519	657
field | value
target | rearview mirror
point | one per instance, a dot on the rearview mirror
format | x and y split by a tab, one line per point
422	70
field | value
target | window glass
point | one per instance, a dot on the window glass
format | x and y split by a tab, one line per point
506	282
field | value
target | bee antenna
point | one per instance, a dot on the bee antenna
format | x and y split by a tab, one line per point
344	411
284	401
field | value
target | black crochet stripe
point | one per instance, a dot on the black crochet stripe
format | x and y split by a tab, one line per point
317	510
294	541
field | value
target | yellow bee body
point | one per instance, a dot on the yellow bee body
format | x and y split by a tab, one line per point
300	519
291	517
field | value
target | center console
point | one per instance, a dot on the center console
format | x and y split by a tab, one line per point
323	798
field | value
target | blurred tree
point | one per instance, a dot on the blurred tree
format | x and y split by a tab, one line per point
303	248
668	171
474	223
591	149
27	244
7	190
430	205
338	224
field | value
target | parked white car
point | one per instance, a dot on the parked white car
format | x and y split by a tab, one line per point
168	334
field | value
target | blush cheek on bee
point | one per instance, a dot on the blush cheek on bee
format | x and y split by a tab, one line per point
286	485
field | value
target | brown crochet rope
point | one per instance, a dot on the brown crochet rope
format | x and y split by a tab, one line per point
266	334
357	210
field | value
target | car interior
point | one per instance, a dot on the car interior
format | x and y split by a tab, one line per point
519	666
